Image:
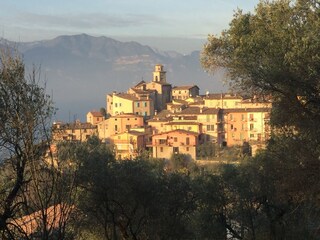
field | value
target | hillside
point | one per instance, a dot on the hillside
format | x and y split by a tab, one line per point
81	69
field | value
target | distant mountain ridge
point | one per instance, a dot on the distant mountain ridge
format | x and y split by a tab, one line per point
81	69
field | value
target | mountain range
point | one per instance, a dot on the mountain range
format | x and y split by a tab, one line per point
79	70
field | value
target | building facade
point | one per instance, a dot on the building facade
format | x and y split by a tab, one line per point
128	145
164	145
94	117
73	131
118	124
185	92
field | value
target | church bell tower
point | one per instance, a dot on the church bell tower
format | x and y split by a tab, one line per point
159	75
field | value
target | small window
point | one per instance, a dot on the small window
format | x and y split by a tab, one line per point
175	139
116	105
138	104
161	149
251	126
145	104
187	149
210	127
176	150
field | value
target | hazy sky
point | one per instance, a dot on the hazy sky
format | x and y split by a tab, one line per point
147	21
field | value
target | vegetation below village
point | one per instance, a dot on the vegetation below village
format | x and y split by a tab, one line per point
84	193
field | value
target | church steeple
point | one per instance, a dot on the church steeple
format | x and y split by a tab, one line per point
159	75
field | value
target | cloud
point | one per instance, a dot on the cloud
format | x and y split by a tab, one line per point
84	21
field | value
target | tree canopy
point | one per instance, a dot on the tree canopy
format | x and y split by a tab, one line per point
275	50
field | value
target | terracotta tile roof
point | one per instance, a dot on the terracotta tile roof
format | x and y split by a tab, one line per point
183	123
160	83
197	103
65	126
222	95
231	110
158	120
184	87
197	111
127	96
140	83
30	224
188	117
163	114
179	101
140	91
127	115
136	133
96	114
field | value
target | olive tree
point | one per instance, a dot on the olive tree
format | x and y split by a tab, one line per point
275	51
25	117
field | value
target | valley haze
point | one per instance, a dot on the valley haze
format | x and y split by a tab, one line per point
80	70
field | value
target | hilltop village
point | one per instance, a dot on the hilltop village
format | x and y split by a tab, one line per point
166	120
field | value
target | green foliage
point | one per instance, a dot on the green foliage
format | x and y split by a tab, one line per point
275	51
103	112
25	117
182	163
206	150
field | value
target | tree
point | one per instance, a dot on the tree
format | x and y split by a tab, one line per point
275	51
29	185
25	114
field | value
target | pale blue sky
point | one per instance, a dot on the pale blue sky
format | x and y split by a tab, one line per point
30	20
